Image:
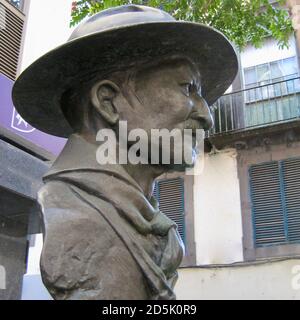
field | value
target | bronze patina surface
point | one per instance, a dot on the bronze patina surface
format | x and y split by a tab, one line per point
104	235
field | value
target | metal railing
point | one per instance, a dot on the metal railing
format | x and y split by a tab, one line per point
257	106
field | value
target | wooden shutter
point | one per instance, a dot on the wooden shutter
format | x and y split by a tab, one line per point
291	178
11	29
268	218
170	195
275	197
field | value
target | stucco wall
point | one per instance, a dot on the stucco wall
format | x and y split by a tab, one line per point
275	280
47	27
218	226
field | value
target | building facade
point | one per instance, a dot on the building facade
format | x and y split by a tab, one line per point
25	153
246	202
20	167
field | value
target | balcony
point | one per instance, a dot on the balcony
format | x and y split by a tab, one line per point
257	107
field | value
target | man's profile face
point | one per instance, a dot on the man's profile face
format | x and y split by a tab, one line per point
168	96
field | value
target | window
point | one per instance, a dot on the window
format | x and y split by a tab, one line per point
270	72
170	195
274	191
11	31
272	92
273	79
271	95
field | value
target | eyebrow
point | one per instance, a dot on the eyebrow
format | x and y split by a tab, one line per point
194	77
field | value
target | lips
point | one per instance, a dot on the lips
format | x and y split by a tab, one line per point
194	125
206	122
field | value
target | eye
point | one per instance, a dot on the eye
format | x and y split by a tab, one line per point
187	88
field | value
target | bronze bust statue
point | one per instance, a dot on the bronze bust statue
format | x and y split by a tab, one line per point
104	235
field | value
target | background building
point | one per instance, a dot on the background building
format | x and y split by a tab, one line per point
27	30
246	202
20	165
240	218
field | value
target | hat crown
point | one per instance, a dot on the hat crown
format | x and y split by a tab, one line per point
119	17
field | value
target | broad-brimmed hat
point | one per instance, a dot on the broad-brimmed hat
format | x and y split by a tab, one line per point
116	39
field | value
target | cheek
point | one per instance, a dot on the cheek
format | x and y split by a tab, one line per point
179	106
164	108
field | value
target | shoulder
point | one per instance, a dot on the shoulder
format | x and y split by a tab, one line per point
64	209
82	257
55	192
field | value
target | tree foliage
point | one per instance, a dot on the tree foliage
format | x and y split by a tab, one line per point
242	21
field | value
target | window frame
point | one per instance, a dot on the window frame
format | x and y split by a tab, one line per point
280	166
260	91
268	64
183	231
189	260
246	158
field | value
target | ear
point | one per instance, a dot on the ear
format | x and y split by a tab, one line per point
102	97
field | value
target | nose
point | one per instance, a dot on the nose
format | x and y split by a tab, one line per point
201	112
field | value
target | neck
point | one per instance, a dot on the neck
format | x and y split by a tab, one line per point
144	175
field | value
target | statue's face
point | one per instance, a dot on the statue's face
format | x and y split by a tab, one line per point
162	100
168	97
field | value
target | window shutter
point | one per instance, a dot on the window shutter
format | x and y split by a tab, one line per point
275	190
267	211
291	175
11	28
170	195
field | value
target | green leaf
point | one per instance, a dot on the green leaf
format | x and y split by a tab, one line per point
242	21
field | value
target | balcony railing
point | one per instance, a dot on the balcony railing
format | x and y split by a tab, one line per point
257	106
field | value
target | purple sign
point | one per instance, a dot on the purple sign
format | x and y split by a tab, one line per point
11	120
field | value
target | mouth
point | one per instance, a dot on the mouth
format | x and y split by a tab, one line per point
194	125
199	121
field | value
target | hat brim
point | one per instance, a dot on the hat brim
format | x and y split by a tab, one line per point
38	90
